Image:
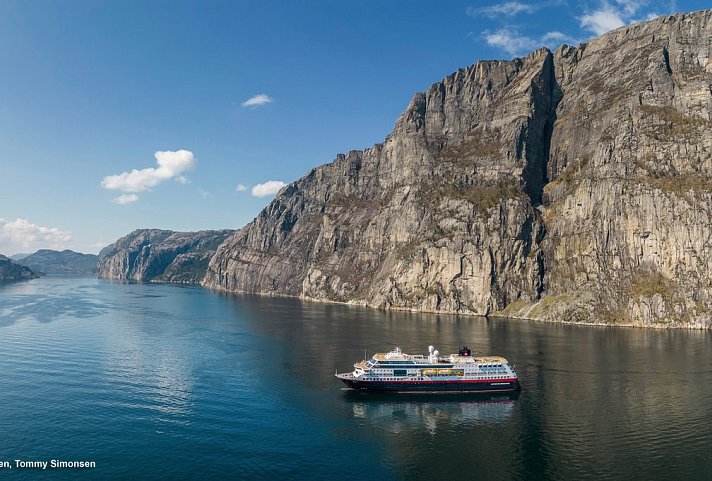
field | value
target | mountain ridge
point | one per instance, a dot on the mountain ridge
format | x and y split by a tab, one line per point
156	255
494	117
49	261
12	271
567	186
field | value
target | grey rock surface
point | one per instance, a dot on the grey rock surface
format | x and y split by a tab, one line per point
153	255
61	262
11	271
571	186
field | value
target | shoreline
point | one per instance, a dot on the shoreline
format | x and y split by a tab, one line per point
669	326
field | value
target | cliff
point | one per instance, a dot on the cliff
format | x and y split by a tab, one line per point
438	217
568	186
11	271
628	206
152	255
61	262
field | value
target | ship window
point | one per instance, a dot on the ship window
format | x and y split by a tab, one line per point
399	372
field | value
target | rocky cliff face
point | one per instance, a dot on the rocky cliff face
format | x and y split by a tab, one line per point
628	209
438	217
568	186
152	255
11	271
61	262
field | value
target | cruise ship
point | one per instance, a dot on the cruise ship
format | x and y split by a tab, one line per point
397	371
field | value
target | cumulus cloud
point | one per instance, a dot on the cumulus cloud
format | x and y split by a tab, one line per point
22	235
515	44
271	187
510	40
240	188
596	18
205	194
171	165
125	199
257	100
507	9
603	20
611	15
554	37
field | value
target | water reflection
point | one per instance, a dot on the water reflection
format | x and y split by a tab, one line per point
199	385
45	300
588	392
411	413
148	356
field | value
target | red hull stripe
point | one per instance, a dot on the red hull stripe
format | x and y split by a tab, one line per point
454	381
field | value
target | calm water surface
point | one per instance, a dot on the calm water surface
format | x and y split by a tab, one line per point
167	382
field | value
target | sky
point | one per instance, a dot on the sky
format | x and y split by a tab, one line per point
190	115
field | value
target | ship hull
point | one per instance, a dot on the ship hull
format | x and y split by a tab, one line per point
483	386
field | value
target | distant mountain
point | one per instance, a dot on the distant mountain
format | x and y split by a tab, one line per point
12	271
18	257
61	262
153	255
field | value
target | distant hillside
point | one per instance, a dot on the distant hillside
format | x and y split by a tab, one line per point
154	255
17	257
64	262
12	271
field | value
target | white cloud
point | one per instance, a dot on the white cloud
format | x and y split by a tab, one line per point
240	188
510	40
602	20
508	9
257	100
611	15
602	16
205	194
629	7
125	199
170	165
271	187
515	44
182	180
21	235
554	37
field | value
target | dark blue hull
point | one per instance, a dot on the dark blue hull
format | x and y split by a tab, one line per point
434	386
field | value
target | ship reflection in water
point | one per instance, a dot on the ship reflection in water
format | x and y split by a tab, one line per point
402	413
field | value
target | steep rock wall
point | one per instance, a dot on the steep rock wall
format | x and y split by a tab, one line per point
572	186
628	211
153	255
438	217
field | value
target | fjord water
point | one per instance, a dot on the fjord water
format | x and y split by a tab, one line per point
169	382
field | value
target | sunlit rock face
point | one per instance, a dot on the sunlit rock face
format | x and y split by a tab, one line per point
153	255
570	186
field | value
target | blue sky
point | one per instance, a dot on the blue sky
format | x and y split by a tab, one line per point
188	115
